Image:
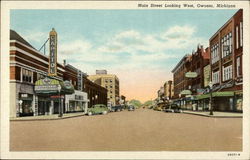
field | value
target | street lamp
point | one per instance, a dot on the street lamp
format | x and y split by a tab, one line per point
60	109
211	96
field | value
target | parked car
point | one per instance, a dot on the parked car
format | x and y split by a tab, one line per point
97	109
131	108
116	108
174	108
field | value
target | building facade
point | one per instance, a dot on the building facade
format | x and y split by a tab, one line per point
29	76
110	82
168	89
179	80
226	47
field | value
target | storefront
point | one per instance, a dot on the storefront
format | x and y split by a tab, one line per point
76	102
50	95
25	104
222	101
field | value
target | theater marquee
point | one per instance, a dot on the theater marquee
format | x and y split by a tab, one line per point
53	53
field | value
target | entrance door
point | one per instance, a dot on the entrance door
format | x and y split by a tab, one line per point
56	107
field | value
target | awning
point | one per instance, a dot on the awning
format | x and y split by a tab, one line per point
53	86
215	94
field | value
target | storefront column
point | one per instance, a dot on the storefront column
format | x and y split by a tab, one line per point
51	108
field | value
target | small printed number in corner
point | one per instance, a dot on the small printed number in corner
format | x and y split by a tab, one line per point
233	154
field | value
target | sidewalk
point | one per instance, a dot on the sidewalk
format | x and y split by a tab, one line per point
48	117
215	114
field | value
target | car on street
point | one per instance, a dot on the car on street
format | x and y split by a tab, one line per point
97	109
116	108
131	108
174	108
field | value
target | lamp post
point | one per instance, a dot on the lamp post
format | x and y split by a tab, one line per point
211	96
60	109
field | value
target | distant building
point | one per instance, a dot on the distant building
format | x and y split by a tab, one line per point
179	80
168	89
110	82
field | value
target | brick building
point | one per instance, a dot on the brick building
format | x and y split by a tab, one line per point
226	64
29	72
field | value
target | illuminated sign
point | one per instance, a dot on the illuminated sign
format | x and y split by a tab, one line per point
53	53
79	80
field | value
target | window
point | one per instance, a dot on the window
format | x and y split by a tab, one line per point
111	86
226	45
110	80
215	53
106	86
241	34
227	73
238	67
111	91
106	80
39	76
111	97
215	77
237	37
27	76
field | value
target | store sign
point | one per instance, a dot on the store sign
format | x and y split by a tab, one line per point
191	75
79	80
67	84
53	53
46	88
207	72
186	92
24	95
57	96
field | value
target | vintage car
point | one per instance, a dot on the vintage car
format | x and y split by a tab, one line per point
131	108
97	109
174	108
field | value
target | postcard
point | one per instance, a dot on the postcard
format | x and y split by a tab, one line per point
125	80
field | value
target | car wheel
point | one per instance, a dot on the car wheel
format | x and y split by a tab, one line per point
104	112
90	113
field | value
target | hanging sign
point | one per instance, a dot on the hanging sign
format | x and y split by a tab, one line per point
53	53
191	75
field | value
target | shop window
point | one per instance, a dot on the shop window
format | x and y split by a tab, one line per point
27	75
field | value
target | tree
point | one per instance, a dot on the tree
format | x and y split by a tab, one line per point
135	103
148	103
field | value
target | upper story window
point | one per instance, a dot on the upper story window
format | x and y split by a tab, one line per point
226	45
241	34
110	81
27	76
237	37
227	73
215	77
39	76
238	67
215	53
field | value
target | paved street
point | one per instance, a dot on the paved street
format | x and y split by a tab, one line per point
141	130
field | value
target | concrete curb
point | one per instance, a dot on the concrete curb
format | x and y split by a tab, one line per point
49	118
213	116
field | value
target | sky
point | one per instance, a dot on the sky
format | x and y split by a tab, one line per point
141	47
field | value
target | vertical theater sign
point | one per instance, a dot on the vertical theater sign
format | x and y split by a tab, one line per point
53	53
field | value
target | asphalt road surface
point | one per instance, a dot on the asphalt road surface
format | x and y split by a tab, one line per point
140	130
